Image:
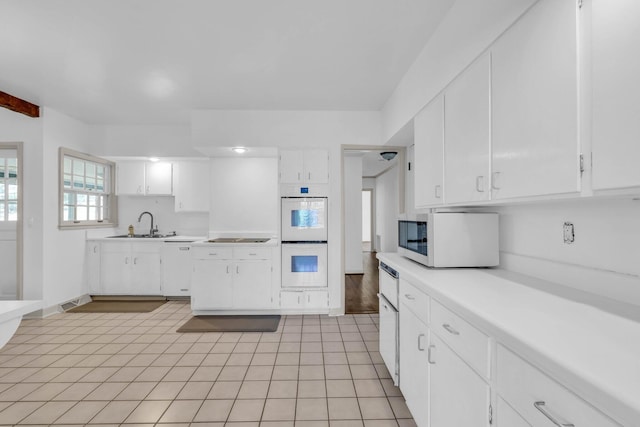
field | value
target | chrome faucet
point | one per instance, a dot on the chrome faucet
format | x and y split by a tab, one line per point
152	230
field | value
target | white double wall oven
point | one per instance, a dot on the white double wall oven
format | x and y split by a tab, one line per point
304	242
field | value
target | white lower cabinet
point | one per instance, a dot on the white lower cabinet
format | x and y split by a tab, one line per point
414	367
232	278
542	402
459	396
297	299
128	268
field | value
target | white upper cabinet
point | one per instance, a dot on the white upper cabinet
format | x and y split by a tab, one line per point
130	178
616	90
191	185
428	128
304	166
144	178
159	178
467	123
535	103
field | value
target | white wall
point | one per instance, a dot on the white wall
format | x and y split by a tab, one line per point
164	216
149	140
367	196
603	260
468	29
64	250
387	210
353	214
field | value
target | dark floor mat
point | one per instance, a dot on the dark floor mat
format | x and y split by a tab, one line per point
231	323
118	306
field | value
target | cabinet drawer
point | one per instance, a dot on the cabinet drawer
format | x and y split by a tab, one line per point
252	253
213	252
415	300
538	398
470	344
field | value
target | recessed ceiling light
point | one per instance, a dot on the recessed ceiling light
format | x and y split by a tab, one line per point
153	159
239	150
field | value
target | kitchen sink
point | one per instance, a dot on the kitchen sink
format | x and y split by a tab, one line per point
240	240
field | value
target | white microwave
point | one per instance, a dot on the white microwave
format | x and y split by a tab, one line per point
450	239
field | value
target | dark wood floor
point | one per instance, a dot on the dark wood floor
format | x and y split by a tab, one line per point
361	289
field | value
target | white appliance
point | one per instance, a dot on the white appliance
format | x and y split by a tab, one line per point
304	219
304	265
389	344
450	239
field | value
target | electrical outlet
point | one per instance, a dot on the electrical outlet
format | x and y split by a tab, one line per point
568	233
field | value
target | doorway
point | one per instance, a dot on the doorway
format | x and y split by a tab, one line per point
11	221
373	196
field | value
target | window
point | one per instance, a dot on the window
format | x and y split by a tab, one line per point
86	196
8	186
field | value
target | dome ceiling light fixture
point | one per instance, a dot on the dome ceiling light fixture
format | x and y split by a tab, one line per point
388	155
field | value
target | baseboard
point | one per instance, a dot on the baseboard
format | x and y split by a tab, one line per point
57	308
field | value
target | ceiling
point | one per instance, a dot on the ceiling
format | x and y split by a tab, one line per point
153	61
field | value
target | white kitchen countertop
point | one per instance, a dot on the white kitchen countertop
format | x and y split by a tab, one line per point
204	242
10	309
178	238
594	352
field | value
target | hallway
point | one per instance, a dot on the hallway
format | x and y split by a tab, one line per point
361	289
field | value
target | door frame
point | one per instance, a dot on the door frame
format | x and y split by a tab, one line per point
401	198
19	147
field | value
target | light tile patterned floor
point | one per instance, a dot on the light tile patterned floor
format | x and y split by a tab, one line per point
111	369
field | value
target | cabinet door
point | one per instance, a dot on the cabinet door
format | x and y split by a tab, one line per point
191	186
316	299
130	178
211	285
93	267
115	272
316	166
459	396
616	66
252	284
467	147
159	179
291	300
414	367
429	150
145	273
534	97
291	162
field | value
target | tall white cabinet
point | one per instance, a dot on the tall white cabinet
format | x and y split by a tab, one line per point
428	127
534	83
616	90
467	148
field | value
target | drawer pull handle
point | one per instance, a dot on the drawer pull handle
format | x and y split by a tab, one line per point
540	406
420	344
450	329
185	248
431	354
409	297
252	254
213	254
